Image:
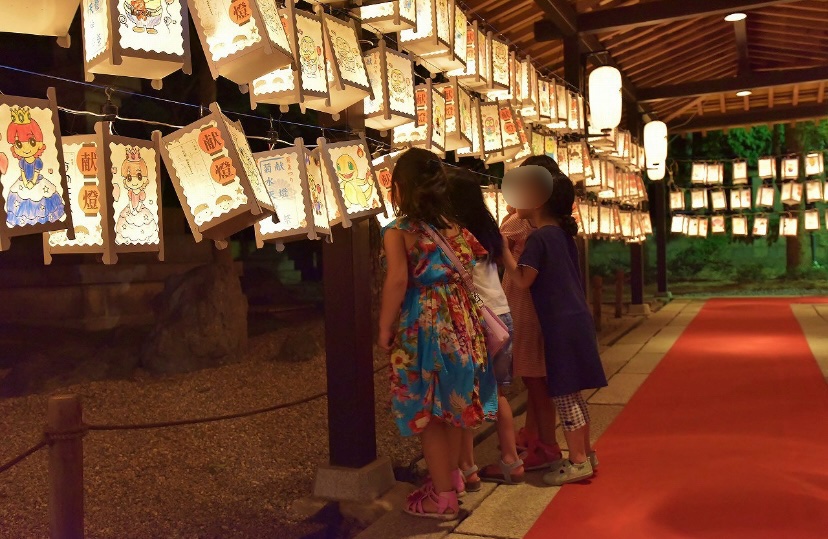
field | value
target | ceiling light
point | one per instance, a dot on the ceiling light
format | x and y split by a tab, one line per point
733	17
743	93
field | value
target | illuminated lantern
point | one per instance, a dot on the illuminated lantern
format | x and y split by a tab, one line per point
501	63
392	80
677	224
765	196
740	174
575	160
147	39
561	105
384	169
34	195
677	200
491	127
704	223
458	115
625	219
388	17
307	79
475	149
215	177
718	200
715	174
545	95
576	113
739	225
242	39
790	168
646	223
814	163
605	98
115	188
562	158
760	226
525	149
813	190
510	137
791	193
300	205
348	173
655	148
536	140
39	17
434	32
735	199
418	132
476	73
490	199
812	220
530	90
746	197
699	173
595	182
455	57
788	226
767	168
698	199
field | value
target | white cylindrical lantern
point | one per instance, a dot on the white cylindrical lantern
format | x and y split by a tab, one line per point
242	39
392	81
655	149
147	39
39	17
388	17
34	189
215	177
301	206
605	97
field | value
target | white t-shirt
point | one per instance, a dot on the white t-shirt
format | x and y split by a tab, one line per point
487	282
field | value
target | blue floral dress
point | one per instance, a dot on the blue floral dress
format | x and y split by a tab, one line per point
439	365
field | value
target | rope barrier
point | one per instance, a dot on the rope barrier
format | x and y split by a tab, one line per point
24	455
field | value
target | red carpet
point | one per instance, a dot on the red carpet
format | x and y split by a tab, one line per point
728	437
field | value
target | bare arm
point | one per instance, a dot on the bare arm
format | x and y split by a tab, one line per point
393	289
523	276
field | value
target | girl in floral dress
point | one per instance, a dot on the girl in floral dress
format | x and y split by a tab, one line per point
432	329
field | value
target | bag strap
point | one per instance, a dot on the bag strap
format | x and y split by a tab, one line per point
438	238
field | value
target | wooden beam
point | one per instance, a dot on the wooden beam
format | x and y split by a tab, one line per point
770	97
734	84
752	117
795	99
821	92
746	102
740	29
662	11
722	103
679	111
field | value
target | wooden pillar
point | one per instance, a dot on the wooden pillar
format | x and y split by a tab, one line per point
65	428
658	202
636	274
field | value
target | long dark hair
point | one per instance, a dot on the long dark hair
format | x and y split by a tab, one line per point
418	188
471	212
562	200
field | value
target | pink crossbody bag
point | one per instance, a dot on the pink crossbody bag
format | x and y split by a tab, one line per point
497	334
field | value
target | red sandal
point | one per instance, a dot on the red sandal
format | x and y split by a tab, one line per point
446	504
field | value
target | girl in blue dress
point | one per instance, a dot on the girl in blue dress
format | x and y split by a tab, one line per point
549	268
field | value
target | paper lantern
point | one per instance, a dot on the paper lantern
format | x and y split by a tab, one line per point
790	168
525	148
536	140
545	108
655	148
146	39
626	223
699	173
677	200
490	200
760	226
383	169
300	205
242	39
35	195
646	223
606	225
455	57
39	17
735	199
458	115
561	103
715	173
767	168
433	32
765	196
677	224
740	175
814	164
530	90
305	80
429	131
717	224
704	224
475	149
491	126
575	155
500	63
813	190
347	170
115	196
562	158
511	143
698	199
605	98
594	182
215	177
791	193
575	115
812	220
718	200
475	75
788	226
392	80
739	225
388	17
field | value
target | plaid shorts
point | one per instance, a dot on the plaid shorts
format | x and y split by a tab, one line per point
573	411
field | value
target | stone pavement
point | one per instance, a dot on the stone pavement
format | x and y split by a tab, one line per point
507	512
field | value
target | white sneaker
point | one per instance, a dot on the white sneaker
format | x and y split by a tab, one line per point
593	459
568	472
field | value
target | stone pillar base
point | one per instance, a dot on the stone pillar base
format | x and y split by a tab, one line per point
664	295
640	310
354	484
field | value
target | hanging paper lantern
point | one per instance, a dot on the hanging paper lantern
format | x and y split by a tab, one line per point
765	196
475	75
790	168
475	149
458	115
605	98
141	39
35	196
699	173
115	196
788	226
646	223
655	148
698	199
545	95
715	174
500	63
490	200
677	200
242	39
735	199
216	177
813	190
434	32
384	169
740	175
812	220
718	201
536	140
767	168
525	149
791	193
739	225
594	182
301	206
39	17
347	170
677	224
491	126
625	219
575	160
530	91
510	137
455	57
574	114
307	79
388	17
428	131
392	80
760	226
814	164
704	223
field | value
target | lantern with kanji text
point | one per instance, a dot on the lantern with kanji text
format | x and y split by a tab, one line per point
392	80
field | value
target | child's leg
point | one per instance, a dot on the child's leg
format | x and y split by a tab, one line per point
575	421
466	460
506	431
441	449
544	410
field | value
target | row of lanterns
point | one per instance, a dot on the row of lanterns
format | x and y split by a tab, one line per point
702	226
789	194
712	173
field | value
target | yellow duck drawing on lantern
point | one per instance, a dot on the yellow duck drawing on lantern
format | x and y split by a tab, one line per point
356	191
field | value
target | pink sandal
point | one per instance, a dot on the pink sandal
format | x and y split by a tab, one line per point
446	503
457	480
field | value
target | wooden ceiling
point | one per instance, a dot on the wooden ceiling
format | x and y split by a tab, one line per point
682	61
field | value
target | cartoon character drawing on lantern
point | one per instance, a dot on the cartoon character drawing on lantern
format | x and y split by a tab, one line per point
31	199
398	84
145	14
489	127
309	56
356	191
136	223
347	56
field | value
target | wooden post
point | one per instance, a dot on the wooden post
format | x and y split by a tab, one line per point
659	205
65	428
636	274
619	293
597	292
